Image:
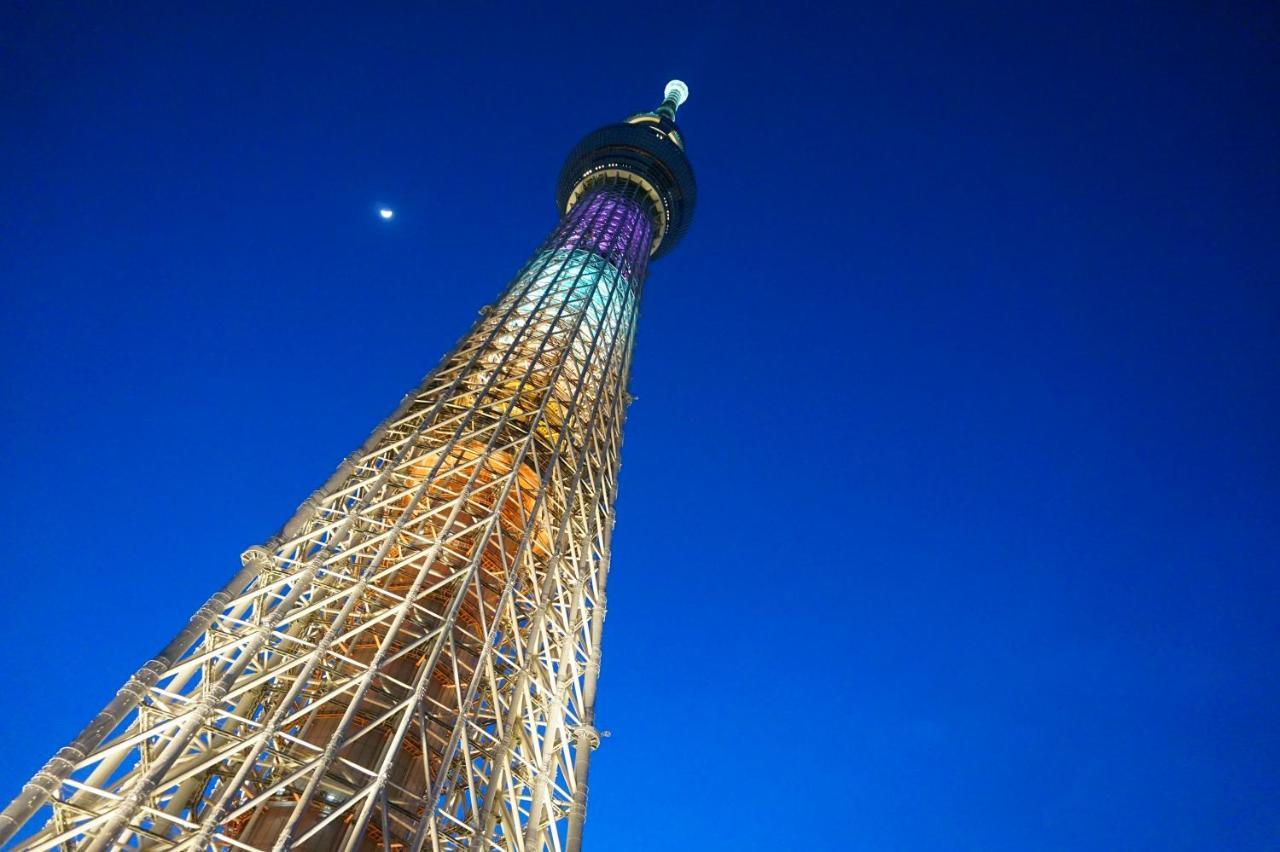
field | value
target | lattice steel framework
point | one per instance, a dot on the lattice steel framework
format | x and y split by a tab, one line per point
411	662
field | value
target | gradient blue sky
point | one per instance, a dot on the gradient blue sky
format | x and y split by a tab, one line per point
949	517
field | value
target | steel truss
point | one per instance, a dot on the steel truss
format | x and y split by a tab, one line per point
411	662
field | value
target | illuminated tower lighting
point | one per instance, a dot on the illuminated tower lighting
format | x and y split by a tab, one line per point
411	662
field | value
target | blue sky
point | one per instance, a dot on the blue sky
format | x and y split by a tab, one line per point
948	517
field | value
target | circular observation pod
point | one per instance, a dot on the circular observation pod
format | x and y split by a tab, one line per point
646	150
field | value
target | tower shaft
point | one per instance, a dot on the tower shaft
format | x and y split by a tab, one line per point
409	666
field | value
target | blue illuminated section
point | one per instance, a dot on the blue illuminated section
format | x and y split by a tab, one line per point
573	309
596	260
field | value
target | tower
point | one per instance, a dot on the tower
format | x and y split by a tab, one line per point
411	661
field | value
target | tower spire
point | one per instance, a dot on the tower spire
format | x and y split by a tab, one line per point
673	96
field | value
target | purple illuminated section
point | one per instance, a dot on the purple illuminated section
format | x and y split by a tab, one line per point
613	225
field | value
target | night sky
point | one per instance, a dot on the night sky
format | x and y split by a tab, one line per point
950	511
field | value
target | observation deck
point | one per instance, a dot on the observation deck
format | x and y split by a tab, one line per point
647	151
